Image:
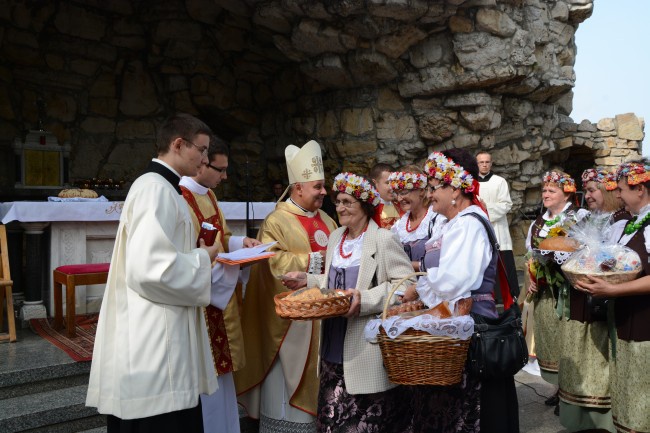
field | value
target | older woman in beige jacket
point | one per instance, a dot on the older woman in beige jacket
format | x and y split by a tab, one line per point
364	261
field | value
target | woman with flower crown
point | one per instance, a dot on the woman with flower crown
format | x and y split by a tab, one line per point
364	261
630	353
460	264
548	287
416	226
584	388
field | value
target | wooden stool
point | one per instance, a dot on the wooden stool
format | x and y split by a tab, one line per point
6	285
72	276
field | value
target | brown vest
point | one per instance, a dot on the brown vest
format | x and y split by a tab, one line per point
579	300
535	239
632	313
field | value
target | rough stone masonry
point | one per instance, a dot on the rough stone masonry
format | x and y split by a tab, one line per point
371	80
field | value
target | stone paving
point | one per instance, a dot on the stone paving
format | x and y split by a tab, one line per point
534	415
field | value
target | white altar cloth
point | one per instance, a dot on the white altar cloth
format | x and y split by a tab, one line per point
43	211
84	232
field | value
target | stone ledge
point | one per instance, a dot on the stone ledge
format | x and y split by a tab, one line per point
45	408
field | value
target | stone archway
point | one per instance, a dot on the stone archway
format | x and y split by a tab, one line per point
370	80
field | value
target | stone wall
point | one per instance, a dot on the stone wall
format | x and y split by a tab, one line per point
606	144
372	80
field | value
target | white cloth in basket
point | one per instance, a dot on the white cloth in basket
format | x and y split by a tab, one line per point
461	327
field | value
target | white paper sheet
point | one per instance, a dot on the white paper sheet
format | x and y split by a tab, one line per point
247	253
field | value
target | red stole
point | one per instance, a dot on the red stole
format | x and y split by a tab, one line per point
385	223
213	316
504	284
317	232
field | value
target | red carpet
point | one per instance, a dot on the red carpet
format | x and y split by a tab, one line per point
80	348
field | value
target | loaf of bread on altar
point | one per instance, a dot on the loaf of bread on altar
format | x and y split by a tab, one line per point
78	192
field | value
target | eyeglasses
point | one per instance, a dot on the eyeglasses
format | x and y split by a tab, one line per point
202	149
432	188
345	203
403	192
220	170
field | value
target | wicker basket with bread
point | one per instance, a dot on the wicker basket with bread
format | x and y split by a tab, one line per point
612	263
601	256
311	304
416	357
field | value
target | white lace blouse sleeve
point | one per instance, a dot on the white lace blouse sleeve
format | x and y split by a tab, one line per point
464	256
529	237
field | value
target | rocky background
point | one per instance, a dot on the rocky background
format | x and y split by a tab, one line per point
371	80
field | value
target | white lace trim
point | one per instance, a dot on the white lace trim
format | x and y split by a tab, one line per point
455	327
559	256
422	232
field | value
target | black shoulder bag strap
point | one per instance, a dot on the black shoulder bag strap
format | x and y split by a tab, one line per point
432	223
495	250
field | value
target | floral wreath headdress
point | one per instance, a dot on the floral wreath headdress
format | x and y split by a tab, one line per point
599	175
399	180
447	171
636	172
357	186
563	181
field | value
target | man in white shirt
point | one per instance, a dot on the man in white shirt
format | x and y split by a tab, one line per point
495	195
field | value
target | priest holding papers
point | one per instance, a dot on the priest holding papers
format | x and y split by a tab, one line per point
220	414
279	384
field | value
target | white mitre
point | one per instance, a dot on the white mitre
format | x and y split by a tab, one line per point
304	164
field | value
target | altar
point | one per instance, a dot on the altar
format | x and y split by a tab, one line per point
62	233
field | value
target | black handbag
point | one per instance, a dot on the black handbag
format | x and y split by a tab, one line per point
498	346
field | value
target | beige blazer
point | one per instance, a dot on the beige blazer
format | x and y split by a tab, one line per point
383	256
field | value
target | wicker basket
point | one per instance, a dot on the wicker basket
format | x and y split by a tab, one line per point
310	310
419	358
610	277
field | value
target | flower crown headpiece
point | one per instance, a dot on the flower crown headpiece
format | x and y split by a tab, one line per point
406	180
599	175
357	186
447	171
636	172
564	181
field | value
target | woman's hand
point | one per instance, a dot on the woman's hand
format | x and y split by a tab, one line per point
532	288
596	287
294	280
416	266
355	304
410	294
